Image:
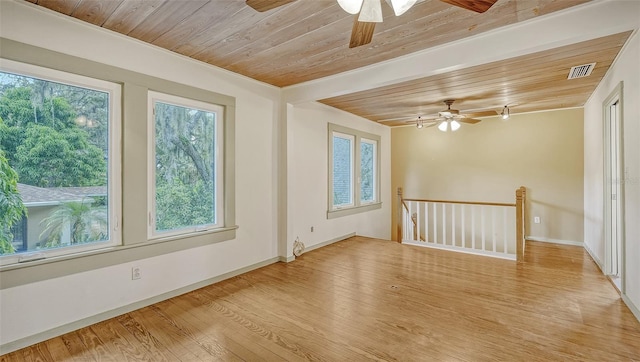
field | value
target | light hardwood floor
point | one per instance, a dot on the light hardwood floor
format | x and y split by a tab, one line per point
369	299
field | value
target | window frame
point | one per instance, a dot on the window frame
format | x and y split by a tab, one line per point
358	206
153	233
114	166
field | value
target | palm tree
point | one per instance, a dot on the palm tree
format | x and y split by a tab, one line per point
87	223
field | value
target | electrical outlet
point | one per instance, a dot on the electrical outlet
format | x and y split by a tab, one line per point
136	273
536	219
312	229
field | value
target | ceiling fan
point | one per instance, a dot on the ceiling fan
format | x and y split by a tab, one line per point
451	118
370	12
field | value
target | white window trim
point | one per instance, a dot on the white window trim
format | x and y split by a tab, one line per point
114	187
358	206
153	234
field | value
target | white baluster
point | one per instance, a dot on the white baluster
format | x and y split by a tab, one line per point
418	220
435	223
504	230
493	227
444	224
453	224
482	227
426	222
463	228
473	226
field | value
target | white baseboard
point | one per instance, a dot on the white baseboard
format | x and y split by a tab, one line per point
594	257
70	327
461	250
329	242
286	259
632	307
554	241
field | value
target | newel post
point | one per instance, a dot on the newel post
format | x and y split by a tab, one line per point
520	219
399	220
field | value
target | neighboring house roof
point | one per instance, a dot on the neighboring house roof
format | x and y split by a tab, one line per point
83	191
40	196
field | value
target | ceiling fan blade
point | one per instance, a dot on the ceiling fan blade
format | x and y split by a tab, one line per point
468	120
397	123
266	5
404	121
362	33
481	114
479	6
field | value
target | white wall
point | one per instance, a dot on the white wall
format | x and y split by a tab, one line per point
34	308
490	160
626	69
308	162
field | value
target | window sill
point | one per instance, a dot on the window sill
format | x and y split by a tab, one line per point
20	274
333	214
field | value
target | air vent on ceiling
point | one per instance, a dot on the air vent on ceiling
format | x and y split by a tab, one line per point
580	71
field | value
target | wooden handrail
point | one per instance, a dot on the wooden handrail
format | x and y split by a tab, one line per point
463	202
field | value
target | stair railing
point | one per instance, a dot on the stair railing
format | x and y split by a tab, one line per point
487	228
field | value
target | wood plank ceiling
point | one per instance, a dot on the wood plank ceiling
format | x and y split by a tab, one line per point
527	83
308	40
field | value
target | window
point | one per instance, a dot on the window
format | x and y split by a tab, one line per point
96	183
343	170
59	139
353	171
368	170
19	231
186	161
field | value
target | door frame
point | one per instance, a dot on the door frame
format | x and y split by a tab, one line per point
611	181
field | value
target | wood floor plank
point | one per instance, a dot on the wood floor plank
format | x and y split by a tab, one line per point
57	349
94	346
75	347
120	341
146	339
207	327
282	347
190	338
372	300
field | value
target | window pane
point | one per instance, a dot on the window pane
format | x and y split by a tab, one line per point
367	170
55	141
342	171
185	167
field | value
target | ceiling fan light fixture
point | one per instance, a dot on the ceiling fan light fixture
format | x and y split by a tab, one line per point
371	11
505	113
401	6
455	125
443	126
351	6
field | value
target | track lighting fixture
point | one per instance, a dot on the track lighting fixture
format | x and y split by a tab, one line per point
419	123
505	113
